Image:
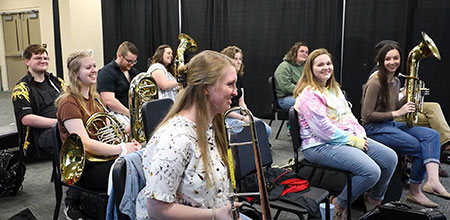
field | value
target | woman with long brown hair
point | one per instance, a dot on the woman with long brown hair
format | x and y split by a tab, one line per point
380	105
160	69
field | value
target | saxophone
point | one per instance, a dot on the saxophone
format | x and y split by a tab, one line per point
415	88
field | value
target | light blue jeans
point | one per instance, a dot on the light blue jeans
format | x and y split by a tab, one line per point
286	102
372	170
420	143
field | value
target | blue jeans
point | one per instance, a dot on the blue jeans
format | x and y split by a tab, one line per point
372	170
238	123
420	143
286	102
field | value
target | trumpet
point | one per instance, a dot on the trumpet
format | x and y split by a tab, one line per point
265	208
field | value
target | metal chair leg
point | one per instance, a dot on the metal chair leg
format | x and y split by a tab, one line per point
349	196
58	194
279	129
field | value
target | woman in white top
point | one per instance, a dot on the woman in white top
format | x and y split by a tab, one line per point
162	73
185	162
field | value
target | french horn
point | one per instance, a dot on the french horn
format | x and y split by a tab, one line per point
415	88
72	159
102	126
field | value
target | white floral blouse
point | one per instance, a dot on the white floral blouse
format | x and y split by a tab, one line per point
174	170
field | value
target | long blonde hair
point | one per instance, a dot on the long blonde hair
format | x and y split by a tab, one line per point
203	70
74	89
308	79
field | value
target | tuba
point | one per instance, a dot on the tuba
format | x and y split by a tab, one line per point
143	88
102	126
415	88
186	43
265	207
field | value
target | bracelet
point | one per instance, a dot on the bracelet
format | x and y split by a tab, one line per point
124	149
213	213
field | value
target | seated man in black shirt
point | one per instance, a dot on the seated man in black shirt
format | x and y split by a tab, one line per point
114	78
33	100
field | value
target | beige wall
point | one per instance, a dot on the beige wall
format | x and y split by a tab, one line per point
81	28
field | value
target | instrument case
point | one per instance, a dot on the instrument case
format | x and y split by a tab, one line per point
397	210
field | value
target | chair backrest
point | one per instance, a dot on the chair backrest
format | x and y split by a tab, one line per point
152	113
295	133
55	155
243	155
273	97
119	179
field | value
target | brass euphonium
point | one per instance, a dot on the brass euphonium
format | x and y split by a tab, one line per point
186	43
415	88
264	198
102	126
143	88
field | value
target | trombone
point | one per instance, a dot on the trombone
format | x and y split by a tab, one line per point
265	208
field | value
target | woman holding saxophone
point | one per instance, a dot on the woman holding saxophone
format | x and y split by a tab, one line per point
185	162
380	105
75	106
161	72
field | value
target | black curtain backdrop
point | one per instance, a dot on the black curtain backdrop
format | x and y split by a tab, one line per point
264	33
266	29
367	23
433	17
145	23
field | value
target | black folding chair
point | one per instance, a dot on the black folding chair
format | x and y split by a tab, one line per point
58	181
296	144
245	165
152	114
119	178
277	111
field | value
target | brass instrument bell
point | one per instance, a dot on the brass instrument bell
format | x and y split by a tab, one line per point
71	159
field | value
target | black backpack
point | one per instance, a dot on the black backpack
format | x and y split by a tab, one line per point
12	172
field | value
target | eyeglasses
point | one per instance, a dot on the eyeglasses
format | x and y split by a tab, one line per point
41	58
129	61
